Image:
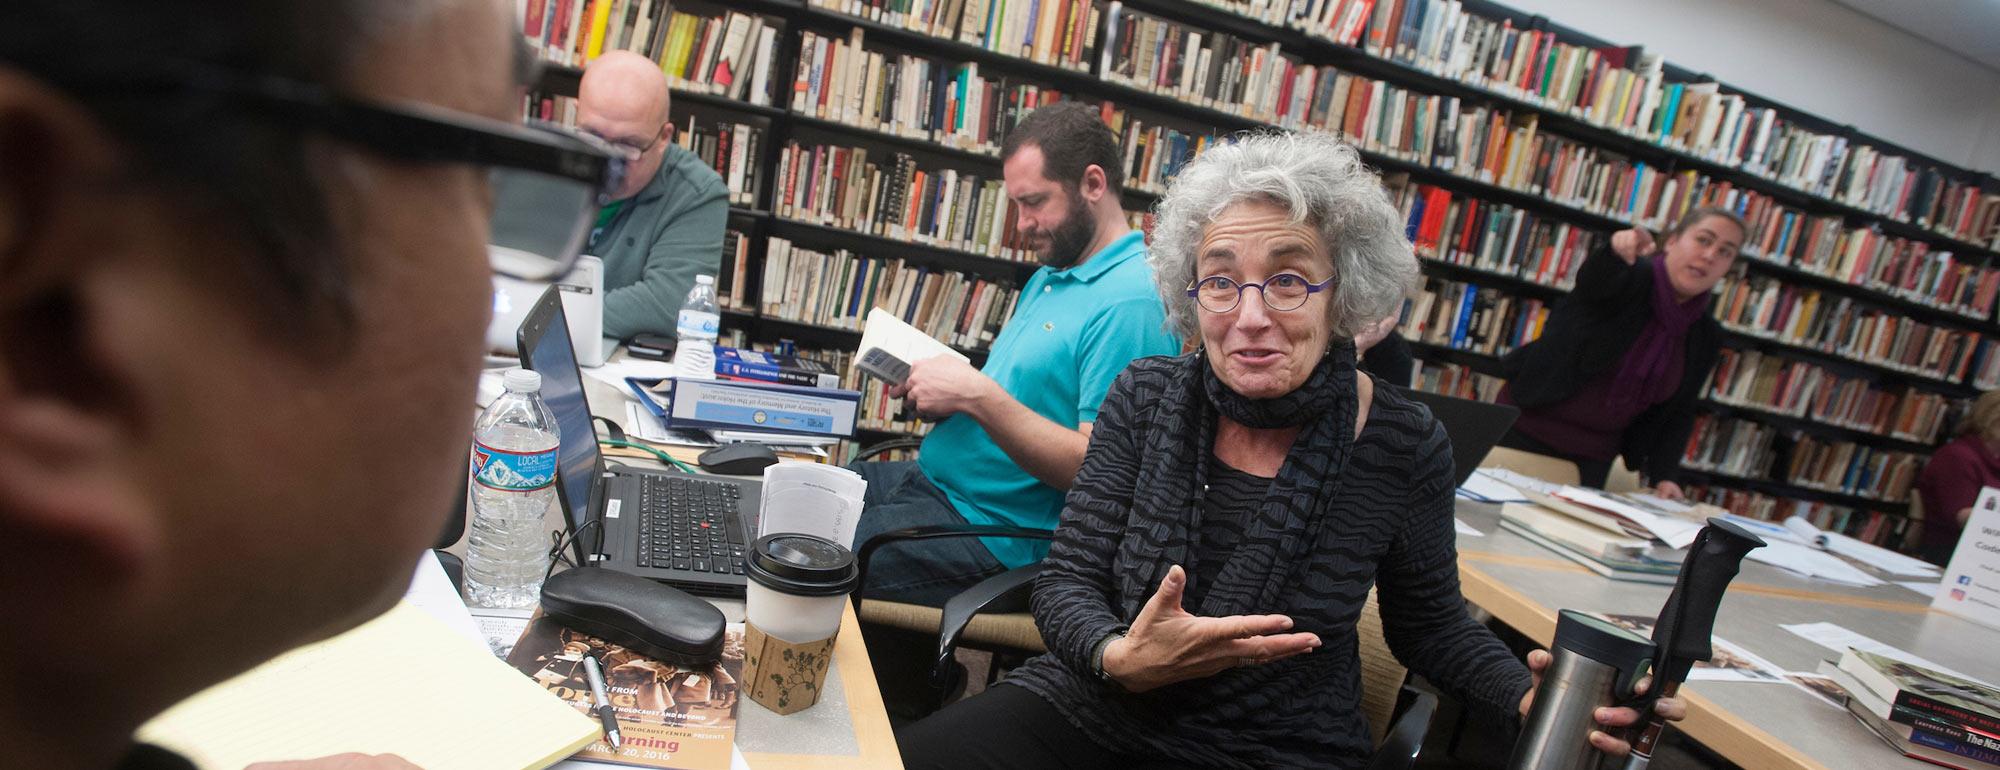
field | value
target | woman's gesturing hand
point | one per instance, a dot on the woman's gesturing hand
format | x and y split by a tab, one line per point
1168	645
1632	244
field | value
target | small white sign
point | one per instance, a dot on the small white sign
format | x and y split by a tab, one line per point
1971	585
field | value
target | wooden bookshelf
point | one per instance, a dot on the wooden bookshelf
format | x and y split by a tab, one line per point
1215	15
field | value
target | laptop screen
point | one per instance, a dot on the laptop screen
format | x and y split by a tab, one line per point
550	353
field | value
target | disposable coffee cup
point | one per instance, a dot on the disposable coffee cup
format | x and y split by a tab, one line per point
798	591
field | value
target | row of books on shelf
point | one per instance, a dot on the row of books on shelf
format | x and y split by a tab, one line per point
1875	527
1464	316
1493	237
724	53
1455	380
1754	450
846	188
734	150
1764	307
1482	143
1752	379
837	289
1623	89
1986	365
575	31
1863	256
946	103
732	54
1058	33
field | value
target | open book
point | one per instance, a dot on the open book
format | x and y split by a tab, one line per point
889	346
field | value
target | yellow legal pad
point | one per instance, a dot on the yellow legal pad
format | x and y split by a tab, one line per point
403	683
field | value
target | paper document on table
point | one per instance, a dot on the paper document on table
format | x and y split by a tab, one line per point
431	591
1519	481
1866	553
1812	563
402	683
736	762
1675	532
500	628
1840	640
814	499
1487	489
613	373
1675	507
1466	530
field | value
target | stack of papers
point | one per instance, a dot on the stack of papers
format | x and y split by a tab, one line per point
1872	555
1485	488
403	684
1675	532
812	498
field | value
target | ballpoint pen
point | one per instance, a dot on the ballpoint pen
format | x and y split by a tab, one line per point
603	710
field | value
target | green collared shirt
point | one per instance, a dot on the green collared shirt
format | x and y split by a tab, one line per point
656	242
1072	332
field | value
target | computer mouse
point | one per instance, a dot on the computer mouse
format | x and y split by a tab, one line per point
742	459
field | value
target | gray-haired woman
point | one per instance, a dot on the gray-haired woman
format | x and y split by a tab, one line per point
1236	504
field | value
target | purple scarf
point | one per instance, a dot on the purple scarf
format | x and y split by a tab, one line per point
1642	374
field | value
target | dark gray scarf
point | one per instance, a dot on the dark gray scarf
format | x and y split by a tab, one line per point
1164	523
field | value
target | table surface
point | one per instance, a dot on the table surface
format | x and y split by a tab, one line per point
1755	725
847	730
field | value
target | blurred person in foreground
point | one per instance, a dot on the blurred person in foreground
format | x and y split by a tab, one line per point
244	276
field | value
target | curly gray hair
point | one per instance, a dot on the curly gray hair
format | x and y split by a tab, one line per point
1322	181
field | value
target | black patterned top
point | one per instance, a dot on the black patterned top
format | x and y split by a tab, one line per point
1394	530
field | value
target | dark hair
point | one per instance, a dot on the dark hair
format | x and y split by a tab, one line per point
215	155
1072	138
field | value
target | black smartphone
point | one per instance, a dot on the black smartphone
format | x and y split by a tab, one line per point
658	347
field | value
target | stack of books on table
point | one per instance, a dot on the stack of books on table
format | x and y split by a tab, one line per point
1623	537
1920	712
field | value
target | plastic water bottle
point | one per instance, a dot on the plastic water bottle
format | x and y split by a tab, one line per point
513	485
698	326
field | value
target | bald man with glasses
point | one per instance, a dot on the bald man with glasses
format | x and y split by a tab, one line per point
665	226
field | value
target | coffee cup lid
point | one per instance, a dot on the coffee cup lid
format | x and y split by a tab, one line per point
802	565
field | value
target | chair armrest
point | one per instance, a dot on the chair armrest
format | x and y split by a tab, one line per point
959	609
1406	735
932	532
873	450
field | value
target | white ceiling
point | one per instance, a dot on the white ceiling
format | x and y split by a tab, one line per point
1969	27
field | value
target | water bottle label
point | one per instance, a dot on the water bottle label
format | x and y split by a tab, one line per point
513	471
699	324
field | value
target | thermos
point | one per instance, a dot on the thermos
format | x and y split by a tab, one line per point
1597	664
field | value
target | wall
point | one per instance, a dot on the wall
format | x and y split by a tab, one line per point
1817	56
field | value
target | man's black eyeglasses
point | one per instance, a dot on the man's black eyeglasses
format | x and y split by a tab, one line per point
547	183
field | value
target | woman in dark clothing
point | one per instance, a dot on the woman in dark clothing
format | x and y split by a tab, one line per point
1622	359
1951	480
1201	595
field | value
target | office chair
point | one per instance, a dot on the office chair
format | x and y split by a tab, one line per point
991	615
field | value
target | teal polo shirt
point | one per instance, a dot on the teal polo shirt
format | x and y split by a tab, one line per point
1072	332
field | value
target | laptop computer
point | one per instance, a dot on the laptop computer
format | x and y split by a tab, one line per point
687	530
1473	427
583	306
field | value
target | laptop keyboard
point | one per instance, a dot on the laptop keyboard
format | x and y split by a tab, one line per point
690	524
